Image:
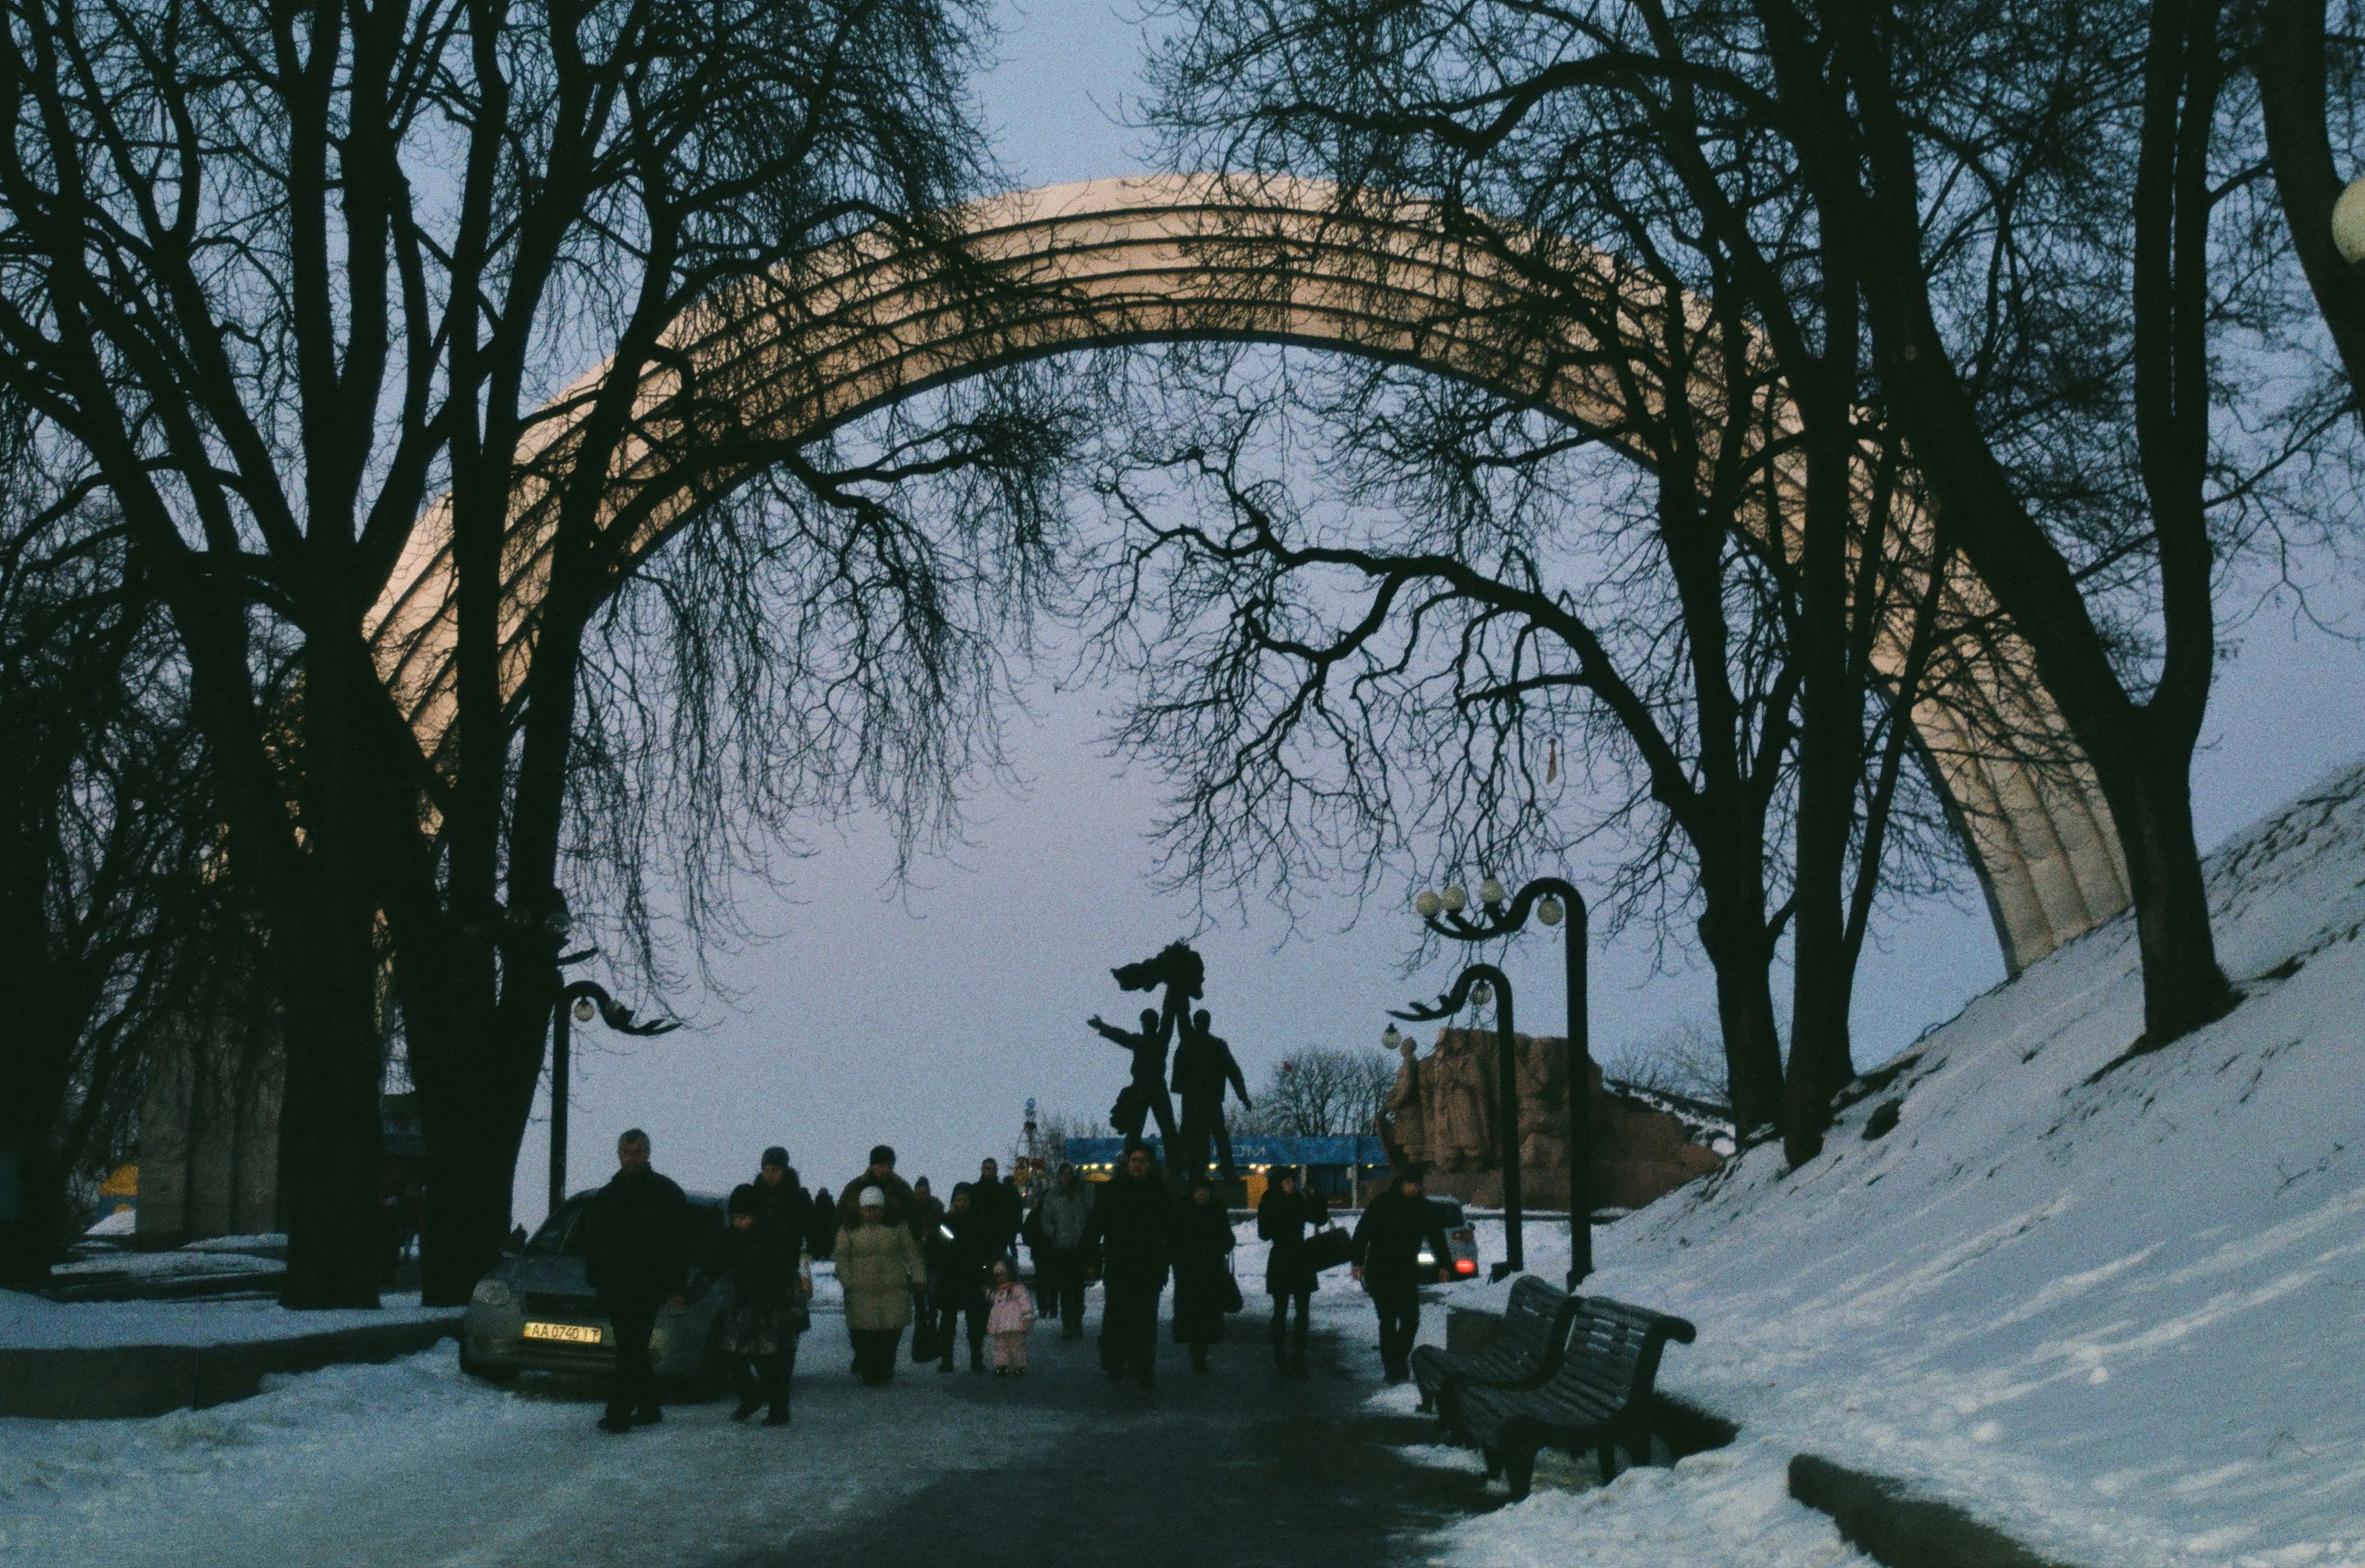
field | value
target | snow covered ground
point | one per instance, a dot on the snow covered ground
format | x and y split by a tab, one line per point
2122	1316
32	1323
413	1462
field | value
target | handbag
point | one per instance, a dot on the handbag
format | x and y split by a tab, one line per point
1227	1292
1327	1248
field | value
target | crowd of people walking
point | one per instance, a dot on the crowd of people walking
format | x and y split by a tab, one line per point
950	1270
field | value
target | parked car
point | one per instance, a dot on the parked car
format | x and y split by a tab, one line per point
536	1310
1458	1236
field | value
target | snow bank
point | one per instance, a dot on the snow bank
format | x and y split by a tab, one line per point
1727	1508
2117	1315
31	1323
165	1265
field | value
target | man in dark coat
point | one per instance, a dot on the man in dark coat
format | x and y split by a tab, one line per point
1285	1214
823	1231
637	1257
999	1211
928	1213
878	1173
1132	1233
1387	1259
1202	1065
959	1252
780	1199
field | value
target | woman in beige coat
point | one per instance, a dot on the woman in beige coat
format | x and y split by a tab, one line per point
879	1267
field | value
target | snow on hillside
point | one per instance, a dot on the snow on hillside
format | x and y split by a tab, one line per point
2122	1316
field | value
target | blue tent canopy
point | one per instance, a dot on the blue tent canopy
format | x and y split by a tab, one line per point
1363	1152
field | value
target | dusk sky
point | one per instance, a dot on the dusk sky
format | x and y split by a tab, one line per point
924	1015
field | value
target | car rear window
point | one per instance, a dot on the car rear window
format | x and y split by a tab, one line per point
1449	1213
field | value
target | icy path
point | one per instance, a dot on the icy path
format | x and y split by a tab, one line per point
413	1463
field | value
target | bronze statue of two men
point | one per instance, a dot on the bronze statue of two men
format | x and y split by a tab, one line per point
1203	1064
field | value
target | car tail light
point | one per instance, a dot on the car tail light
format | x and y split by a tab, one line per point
1465	1236
1466	1265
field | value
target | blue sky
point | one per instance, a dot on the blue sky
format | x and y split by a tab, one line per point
925	1013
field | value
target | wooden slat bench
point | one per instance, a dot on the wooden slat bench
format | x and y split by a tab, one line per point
1599	1397
1526	1352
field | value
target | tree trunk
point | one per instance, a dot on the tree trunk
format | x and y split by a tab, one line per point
324	956
475	1060
2151	801
473	1138
1733	930
330	1139
34	1241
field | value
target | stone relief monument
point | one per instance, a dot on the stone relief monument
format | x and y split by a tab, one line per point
1442	1112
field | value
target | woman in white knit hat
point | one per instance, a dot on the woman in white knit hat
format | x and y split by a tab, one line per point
879	1266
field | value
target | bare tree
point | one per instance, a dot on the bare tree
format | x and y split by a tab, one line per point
1054	1130
102	835
1346	684
1683	1059
2026	187
276	277
2026	239
1323	1092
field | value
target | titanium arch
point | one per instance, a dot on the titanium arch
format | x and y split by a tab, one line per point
861	324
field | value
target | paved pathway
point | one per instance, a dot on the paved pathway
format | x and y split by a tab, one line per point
1237	1468
412	1464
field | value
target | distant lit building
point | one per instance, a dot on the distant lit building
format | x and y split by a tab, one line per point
1341	1169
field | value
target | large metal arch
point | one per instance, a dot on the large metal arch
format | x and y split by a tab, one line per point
851	328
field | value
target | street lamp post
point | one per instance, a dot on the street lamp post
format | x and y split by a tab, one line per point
1552	900
1476	984
581	1000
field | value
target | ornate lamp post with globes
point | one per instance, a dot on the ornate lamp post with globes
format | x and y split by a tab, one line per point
1552	900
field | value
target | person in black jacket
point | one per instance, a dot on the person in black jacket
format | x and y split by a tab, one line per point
1000	1210
1204	1290
637	1257
768	1309
1283	1217
1132	1234
781	1198
1387	1259
959	1252
822	1229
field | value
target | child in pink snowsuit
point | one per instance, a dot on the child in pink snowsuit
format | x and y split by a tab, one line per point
1009	1317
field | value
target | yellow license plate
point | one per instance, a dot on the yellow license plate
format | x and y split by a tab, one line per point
572	1333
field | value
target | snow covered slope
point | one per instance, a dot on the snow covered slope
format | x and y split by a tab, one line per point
2122	1316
